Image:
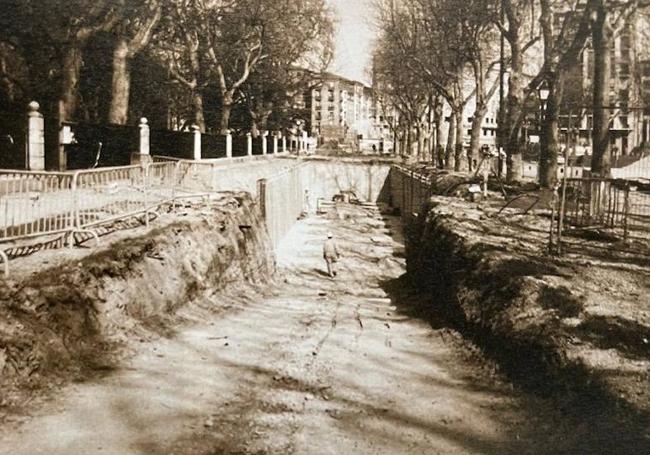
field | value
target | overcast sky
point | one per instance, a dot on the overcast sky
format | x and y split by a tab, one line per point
354	38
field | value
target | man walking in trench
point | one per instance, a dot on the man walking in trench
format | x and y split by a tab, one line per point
330	254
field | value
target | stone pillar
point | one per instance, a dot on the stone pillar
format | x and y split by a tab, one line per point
265	150
35	144
284	144
228	144
275	143
196	152
144	137
249	144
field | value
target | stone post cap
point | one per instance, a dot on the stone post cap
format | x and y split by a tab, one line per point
228	132
196	128
265	133
249	134
33	108
144	121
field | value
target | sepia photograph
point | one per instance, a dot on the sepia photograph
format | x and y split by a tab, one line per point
324	227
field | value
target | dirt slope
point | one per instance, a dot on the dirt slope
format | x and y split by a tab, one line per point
72	316
574	327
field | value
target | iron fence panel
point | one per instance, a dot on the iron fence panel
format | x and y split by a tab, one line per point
35	203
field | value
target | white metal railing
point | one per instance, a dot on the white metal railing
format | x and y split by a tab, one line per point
34	204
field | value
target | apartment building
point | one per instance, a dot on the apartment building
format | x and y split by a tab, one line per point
629	92
344	110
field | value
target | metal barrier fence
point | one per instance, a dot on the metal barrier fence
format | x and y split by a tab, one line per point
622	206
409	190
281	199
36	204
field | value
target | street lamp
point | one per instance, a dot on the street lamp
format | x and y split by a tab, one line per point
543	93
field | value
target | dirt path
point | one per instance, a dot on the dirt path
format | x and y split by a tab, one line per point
319	367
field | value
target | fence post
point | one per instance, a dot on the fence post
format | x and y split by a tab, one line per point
626	211
264	142
261	194
284	144
144	137
275	143
65	137
228	144
196	153
35	150
249	144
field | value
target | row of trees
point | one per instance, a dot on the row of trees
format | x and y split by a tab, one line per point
435	52
195	60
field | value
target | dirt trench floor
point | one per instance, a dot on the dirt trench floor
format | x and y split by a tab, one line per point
317	366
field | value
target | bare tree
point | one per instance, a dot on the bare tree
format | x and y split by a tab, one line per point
132	34
608	20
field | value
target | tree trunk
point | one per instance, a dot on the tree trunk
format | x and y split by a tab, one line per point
409	141
451	144
255	130
259	114
601	36
475	137
419	152
549	143
396	140
439	151
71	69
514	102
121	84
197	107
226	108
459	162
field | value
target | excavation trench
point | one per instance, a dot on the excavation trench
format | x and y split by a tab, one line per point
194	339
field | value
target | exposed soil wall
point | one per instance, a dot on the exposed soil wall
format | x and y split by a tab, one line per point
61	320
536	314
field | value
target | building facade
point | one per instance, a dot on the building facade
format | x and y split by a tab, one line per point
345	111
629	76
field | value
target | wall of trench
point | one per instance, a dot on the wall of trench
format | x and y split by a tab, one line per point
66	319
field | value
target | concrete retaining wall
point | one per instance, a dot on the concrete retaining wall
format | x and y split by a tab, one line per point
281	200
368	180
408	191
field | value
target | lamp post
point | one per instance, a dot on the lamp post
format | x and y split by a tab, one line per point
543	92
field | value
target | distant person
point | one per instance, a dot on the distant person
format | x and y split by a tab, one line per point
330	254
307	203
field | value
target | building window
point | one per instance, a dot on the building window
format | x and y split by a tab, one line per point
624	70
